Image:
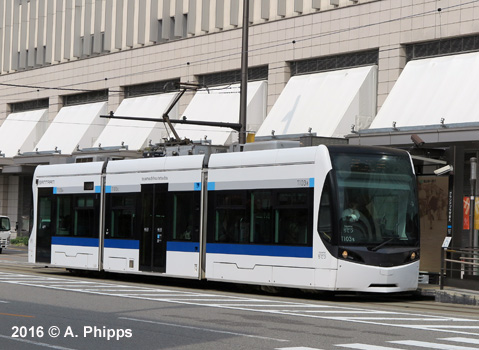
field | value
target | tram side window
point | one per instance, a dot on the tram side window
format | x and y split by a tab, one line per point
45	229
262	223
325	222
64	215
44	221
231	221
270	216
186	216
292	217
123	219
84	217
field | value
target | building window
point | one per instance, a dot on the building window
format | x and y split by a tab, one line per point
29	105
321	64
153	88
85	97
442	47
233	76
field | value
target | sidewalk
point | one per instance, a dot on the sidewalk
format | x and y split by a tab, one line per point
449	294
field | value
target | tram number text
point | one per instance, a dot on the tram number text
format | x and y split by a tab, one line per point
303	182
348	239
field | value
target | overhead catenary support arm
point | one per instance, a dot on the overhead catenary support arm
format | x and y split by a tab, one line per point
234	126
166	119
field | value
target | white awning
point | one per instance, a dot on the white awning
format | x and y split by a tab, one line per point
74	126
136	134
327	104
22	131
430	89
221	104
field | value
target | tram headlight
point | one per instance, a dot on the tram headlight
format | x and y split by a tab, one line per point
414	256
351	256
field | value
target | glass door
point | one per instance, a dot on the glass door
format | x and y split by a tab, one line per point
153	233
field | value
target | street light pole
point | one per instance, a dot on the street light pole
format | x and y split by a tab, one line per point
244	74
473	179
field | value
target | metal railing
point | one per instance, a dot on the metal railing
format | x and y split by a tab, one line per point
460	268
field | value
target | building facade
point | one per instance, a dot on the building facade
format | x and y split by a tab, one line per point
325	66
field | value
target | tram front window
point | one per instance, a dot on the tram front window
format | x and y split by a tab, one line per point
377	200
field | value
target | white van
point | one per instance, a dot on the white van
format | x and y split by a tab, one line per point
4	232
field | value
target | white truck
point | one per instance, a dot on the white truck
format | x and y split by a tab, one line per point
4	232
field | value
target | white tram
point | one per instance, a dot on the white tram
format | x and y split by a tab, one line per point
337	218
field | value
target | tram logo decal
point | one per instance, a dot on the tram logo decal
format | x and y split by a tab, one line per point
154	178
46	182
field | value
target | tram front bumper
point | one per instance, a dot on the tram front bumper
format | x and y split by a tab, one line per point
365	278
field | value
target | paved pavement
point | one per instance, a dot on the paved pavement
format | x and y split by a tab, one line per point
449	294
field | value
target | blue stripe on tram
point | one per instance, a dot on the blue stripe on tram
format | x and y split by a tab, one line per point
75	241
183	246
261	250
122	243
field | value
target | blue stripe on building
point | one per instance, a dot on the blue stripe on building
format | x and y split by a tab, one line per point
261	250
75	241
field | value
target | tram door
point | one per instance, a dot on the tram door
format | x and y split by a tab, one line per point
153	234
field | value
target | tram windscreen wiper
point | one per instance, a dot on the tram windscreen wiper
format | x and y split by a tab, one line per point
382	244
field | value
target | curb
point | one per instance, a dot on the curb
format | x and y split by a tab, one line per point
450	296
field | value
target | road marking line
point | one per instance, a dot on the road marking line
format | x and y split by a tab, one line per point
462	340
366	347
1	313
450	326
397	319
19	278
118	290
36	343
297	348
429	345
150	295
53	281
350	312
203	329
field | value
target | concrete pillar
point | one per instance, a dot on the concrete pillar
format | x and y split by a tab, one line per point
278	76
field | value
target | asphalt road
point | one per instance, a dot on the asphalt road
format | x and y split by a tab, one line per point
45	308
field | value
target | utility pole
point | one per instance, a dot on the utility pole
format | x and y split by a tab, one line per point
244	74
473	179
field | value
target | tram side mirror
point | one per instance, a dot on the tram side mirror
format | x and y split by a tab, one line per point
444	170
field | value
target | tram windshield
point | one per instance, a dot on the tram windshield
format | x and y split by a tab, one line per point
377	200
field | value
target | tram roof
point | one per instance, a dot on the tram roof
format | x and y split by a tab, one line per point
156	164
266	157
91	168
